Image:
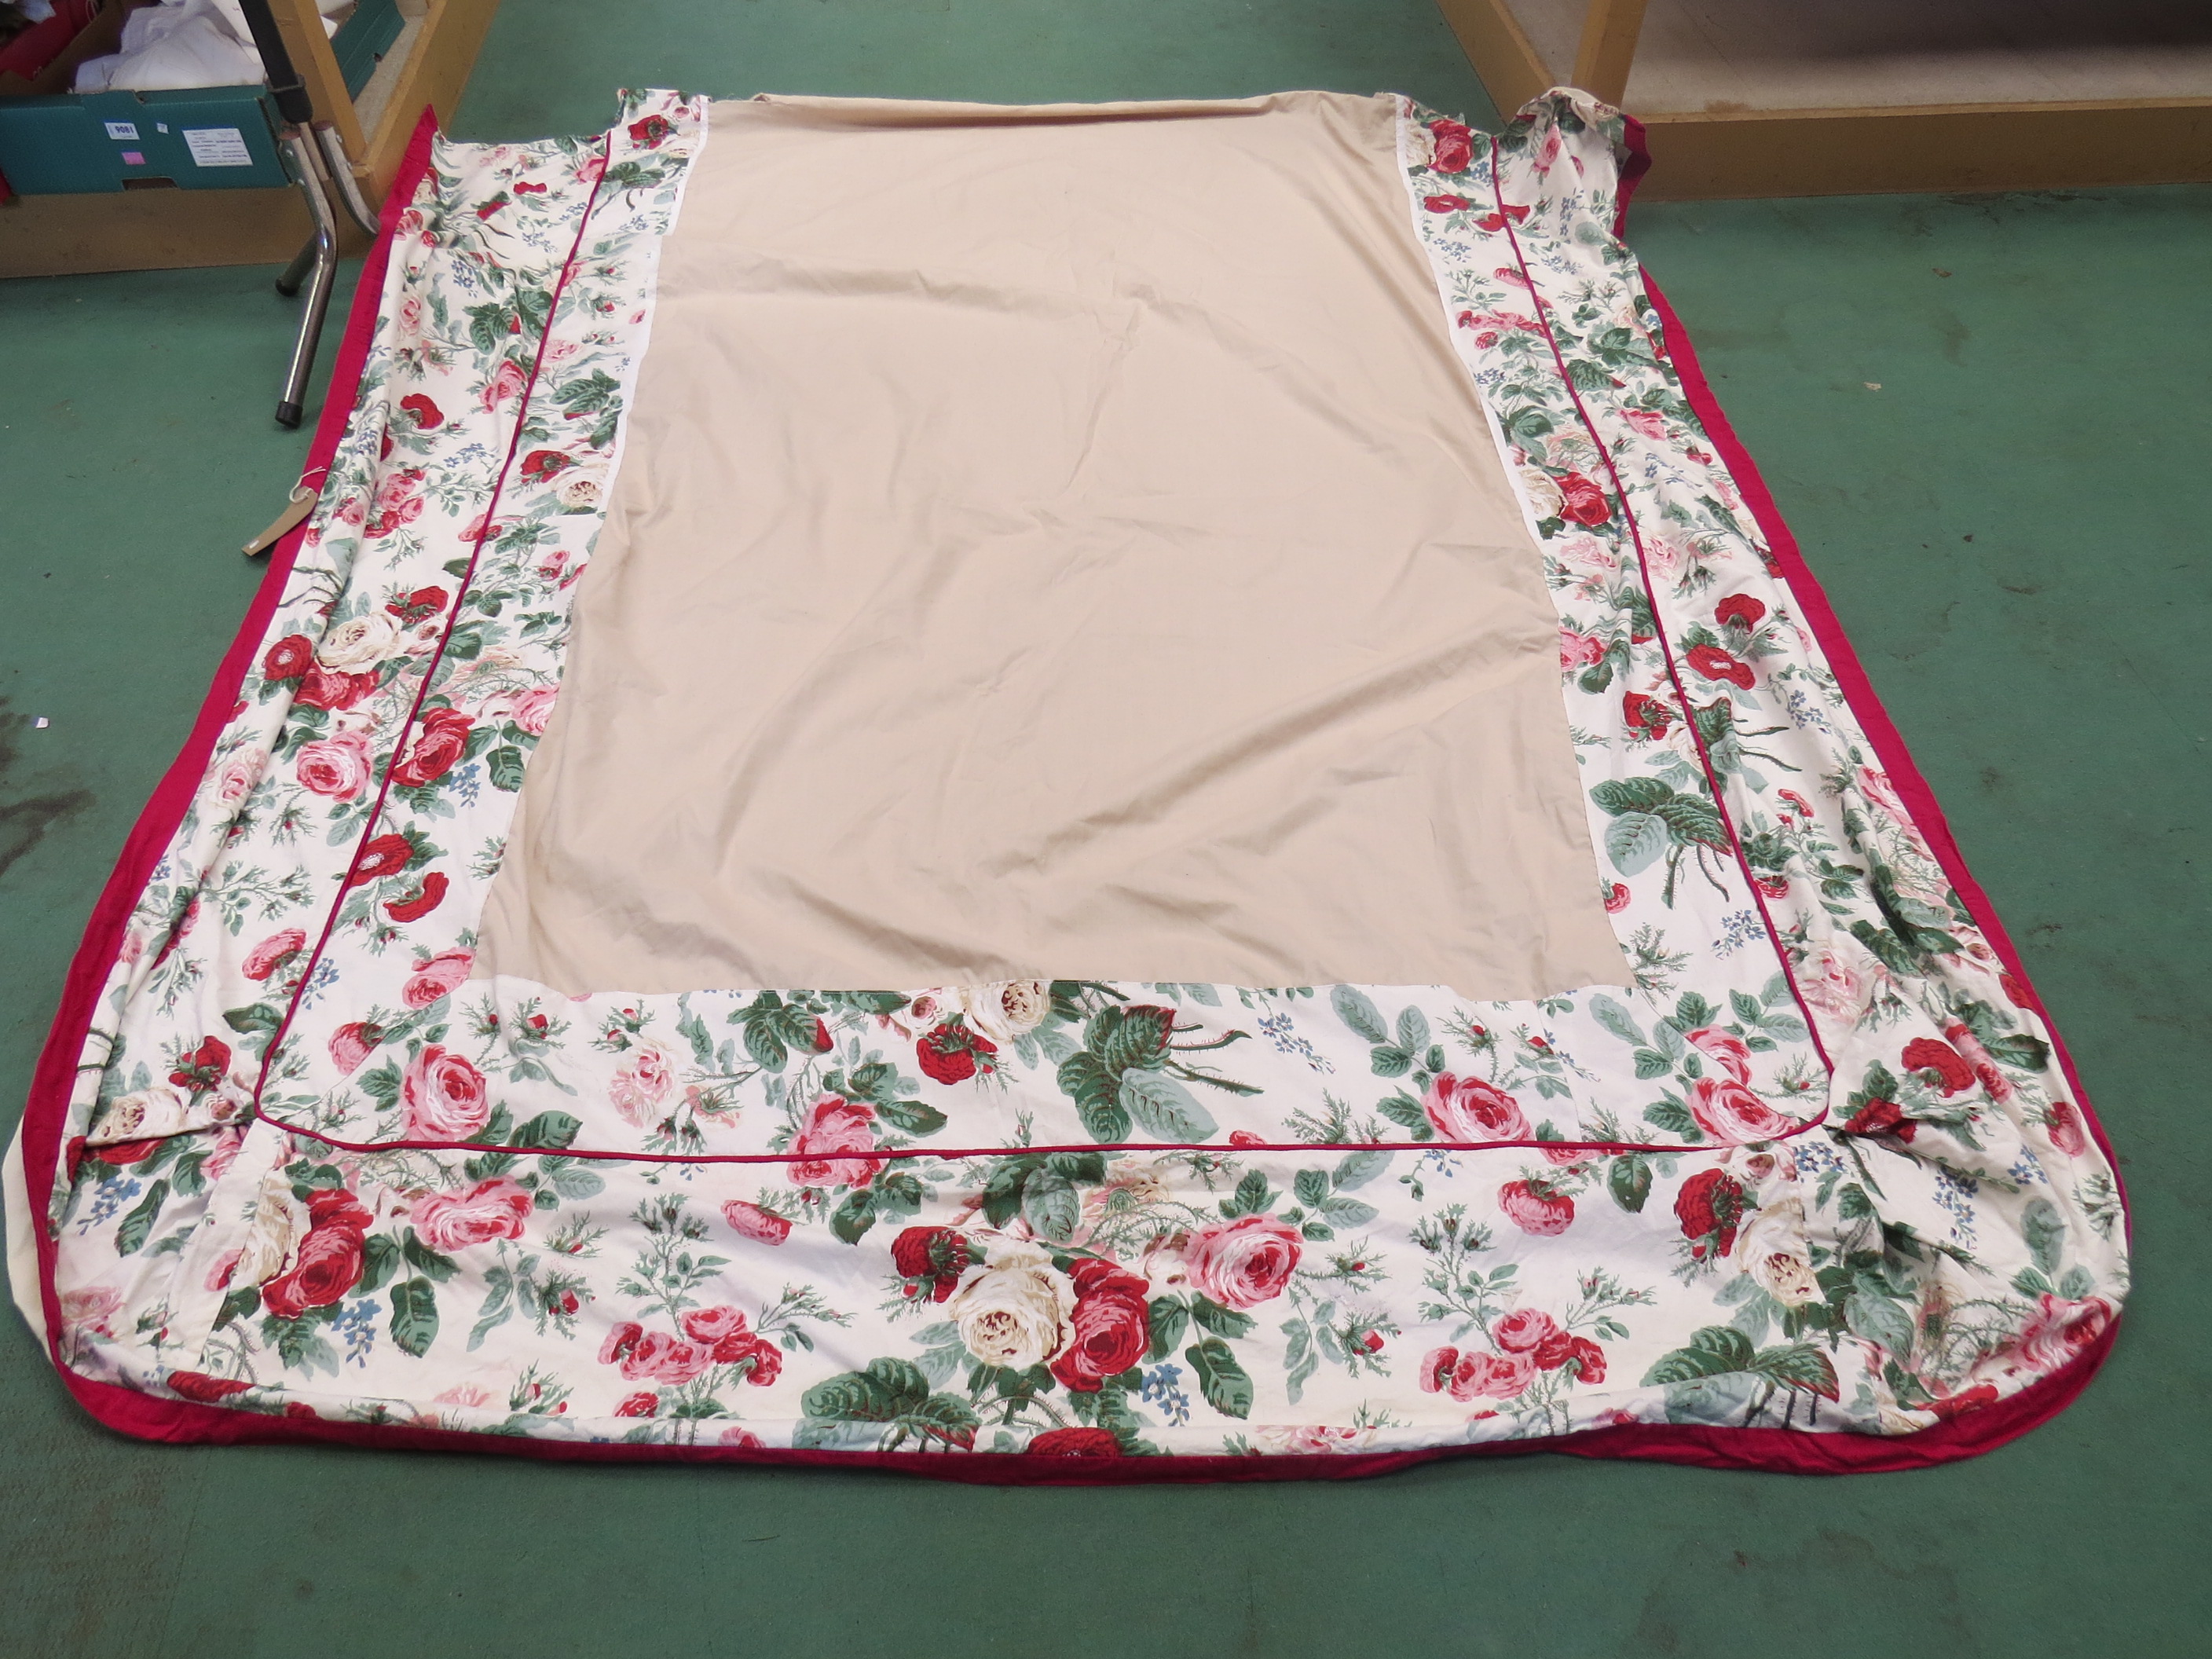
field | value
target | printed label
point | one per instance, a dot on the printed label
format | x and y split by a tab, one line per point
218	146
123	132
134	158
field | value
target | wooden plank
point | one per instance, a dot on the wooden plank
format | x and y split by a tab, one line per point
1609	47
301	25
453	34
1512	70
1947	147
156	230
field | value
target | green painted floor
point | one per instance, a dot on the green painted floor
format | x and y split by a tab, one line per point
2039	431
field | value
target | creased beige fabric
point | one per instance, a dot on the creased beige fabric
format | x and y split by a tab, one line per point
1055	542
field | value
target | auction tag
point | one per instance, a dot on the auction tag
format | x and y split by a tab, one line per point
123	132
218	146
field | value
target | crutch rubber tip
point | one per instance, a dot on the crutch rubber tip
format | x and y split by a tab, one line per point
288	415
289	289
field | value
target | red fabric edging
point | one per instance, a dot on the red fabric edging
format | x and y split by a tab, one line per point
1815	611
148	1417
55	1078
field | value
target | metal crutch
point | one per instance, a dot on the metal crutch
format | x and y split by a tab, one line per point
315	159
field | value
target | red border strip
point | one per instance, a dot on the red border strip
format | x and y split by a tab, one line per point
1865	704
147	1417
54	1081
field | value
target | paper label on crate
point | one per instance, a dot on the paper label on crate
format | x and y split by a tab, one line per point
218	146
123	132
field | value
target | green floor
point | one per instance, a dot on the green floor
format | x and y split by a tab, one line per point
2039	431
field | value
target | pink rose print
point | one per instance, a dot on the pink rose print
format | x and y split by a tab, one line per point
835	1126
439	976
1467	1108
1535	1207
1241	1263
443	1096
454	1221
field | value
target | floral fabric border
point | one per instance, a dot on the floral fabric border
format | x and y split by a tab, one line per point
315	1169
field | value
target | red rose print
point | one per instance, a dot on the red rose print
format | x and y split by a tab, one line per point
1467	1108
1436	1367
1244	1262
1775	887
931	1259
1536	1208
1586	1358
1372	1342
1616	898
822	1041
1112	1325
1525	1330
712	1324
420	902
288	658
1881	1117
425	412
203	1067
953	1053
1740	608
421	605
1647	717
1583	502
638	1405
2063	1123
272	954
543	464
1710	1207
329	1261
2021	995
1445	203
1716	663
1952	1071
386	855
1966	1399
2058	1330
765	1358
835	1126
492	1209
1076	1442
485	209
651	132
327	687
1246	1138
765	1226
530	190
208	1391
440	741
1454	146
122	1153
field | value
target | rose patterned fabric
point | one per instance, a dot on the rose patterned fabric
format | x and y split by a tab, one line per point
1815	1170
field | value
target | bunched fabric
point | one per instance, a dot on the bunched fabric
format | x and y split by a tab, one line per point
1076	793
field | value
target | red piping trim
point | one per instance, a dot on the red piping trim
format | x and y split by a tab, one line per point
452	620
1602	1148
1651	598
55	1079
